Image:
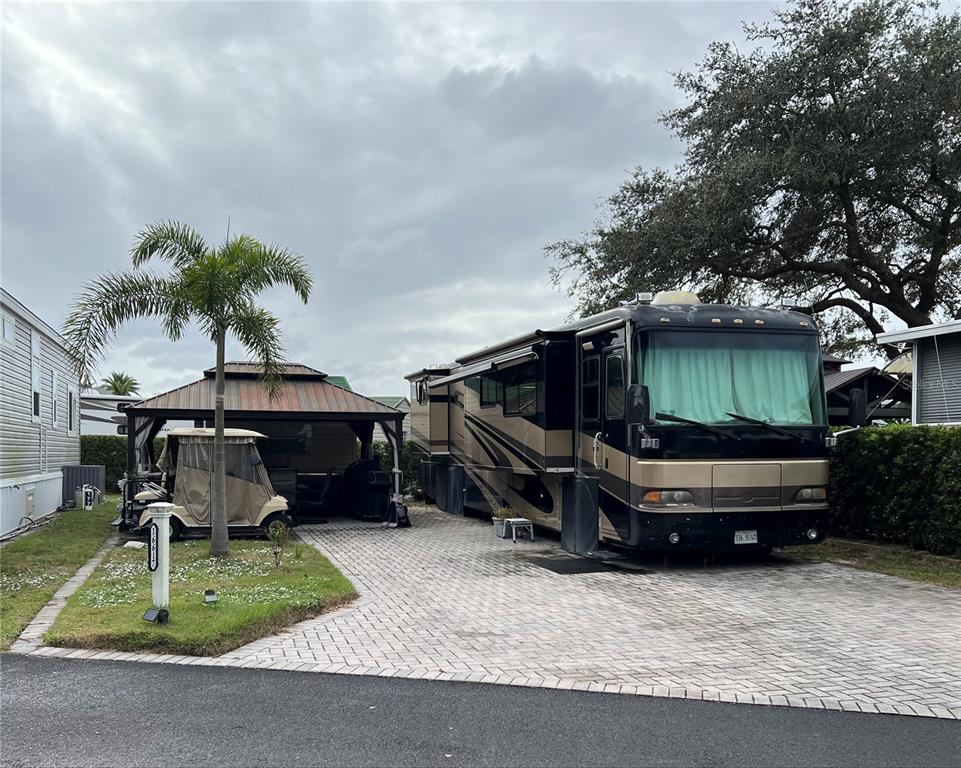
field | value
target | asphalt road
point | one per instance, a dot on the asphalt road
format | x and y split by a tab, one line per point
86	713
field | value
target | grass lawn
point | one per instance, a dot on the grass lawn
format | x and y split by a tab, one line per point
35	565
255	598
884	558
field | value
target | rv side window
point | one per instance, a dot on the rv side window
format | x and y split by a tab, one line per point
490	391
520	395
614	398
590	389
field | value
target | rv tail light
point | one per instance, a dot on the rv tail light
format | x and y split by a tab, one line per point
812	534
674	538
678	498
808	495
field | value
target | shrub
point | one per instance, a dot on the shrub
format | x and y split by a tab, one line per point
409	463
899	483
111	452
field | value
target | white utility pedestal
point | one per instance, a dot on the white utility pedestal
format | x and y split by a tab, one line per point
158	552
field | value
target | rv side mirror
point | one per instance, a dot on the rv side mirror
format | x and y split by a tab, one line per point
638	404
857	408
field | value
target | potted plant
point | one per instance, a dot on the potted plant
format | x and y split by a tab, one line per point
500	521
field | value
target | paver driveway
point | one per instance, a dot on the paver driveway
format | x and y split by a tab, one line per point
447	600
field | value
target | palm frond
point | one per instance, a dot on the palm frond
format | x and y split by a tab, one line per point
169	240
256	329
106	304
263	266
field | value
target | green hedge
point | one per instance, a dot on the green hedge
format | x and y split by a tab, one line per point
111	452
899	483
409	464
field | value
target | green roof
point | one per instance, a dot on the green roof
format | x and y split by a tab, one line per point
340	381
390	401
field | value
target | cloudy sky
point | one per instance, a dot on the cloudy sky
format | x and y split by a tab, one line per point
418	156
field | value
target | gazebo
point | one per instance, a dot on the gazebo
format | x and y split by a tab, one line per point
313	426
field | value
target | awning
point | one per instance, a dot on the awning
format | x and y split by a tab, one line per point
902	365
512	358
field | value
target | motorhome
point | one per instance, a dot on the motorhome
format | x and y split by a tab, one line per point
662	424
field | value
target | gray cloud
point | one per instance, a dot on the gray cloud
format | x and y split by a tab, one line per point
419	156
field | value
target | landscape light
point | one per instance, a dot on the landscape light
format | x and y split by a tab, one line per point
210	597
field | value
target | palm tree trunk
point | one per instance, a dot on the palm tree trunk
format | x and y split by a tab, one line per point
218	496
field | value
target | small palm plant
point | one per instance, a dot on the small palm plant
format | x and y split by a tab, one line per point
118	383
214	287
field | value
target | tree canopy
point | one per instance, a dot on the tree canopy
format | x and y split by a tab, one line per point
824	165
216	288
120	383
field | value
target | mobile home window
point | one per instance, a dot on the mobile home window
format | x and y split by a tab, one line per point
54	398
520	395
614	398
590	388
490	391
9	330
35	376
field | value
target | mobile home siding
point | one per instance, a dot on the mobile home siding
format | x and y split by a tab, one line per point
32	451
938	385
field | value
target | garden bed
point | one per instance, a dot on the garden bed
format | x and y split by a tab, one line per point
255	597
35	565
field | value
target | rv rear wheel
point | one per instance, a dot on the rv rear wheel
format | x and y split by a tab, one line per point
276	519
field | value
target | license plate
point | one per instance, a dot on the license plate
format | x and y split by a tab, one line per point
745	537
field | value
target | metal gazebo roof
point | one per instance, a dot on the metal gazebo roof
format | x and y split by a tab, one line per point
304	391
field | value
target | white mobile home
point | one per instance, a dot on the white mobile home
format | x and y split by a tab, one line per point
935	368
39	414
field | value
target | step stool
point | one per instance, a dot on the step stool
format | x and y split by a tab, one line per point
522	524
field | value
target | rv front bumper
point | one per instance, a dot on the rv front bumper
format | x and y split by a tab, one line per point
734	531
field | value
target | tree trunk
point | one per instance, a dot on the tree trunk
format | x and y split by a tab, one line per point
218	494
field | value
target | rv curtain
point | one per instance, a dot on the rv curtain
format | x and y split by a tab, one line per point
697	376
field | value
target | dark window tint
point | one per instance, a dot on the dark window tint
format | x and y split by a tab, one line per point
490	392
590	388
520	395
614	398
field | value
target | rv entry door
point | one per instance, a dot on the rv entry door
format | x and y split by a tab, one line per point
614	455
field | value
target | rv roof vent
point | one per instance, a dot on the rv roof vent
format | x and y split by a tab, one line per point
644	298
675	297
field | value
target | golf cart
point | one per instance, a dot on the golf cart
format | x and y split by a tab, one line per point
186	466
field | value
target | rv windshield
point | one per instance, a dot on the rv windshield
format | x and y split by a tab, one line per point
708	376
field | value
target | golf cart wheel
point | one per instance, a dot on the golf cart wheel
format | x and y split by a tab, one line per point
176	529
276	519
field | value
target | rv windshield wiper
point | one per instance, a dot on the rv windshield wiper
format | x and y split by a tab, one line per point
692	422
766	425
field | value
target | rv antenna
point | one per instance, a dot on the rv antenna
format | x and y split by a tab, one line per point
228	227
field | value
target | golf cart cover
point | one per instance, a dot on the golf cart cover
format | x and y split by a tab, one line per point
247	484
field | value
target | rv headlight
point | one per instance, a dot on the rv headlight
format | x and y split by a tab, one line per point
809	495
672	498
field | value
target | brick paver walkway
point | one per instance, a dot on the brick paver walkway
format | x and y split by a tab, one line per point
447	600
32	637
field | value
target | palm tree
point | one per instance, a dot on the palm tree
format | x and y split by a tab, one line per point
119	383
214	287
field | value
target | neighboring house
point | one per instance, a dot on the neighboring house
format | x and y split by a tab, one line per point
340	381
887	396
99	414
936	370
401	404
39	414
